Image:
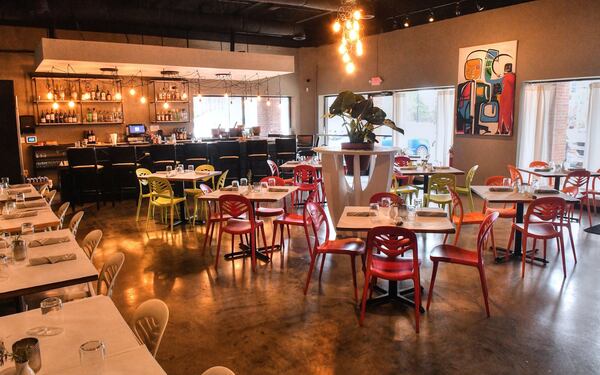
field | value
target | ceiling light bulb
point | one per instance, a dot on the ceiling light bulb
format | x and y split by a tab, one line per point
359	48
226	95
431	16
118	96
269	102
346	58
357	14
356	25
166	105
55	105
342	49
457	10
71	104
258	98
50	95
350	67
143	100
479	5
337	27
406	22
132	91
184	96
353	35
348	24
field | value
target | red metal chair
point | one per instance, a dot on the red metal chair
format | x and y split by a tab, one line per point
388	262
234	207
275	172
595	190
307	180
505	212
460	218
515	174
457	255
271	211
291	219
402	161
394	198
577	185
539	164
348	246
544	221
213	217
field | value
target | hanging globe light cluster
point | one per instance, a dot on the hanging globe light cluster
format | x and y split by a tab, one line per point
348	25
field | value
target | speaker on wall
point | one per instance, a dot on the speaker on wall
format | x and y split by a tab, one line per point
27	124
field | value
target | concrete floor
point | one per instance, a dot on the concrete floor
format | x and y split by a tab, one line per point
261	323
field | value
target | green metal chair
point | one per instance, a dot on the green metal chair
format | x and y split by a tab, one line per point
163	197
438	189
466	190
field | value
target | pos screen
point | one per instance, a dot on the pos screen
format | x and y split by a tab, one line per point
136	129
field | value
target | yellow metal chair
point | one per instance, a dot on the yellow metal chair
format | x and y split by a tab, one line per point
141	174
466	190
404	190
221	180
196	192
163	197
438	189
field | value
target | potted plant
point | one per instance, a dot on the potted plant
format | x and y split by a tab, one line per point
361	118
24	350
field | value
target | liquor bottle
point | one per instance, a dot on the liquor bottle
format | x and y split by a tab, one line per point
47	116
98	93
103	95
108	95
43	118
62	93
89	115
94	115
52	117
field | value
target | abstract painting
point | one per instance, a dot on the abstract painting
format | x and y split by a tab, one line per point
486	89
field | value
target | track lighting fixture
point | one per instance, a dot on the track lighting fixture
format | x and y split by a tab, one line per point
431	17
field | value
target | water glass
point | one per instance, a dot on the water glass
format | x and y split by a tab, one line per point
169	170
264	186
418	203
91	357
52	318
20	197
180	168
5	181
3	268
190	168
411	212
374	212
27	228
506	181
272	182
235	185
393	213
244	182
384	206
403	212
9	207
256	187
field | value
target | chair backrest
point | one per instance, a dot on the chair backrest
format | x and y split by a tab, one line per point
218	370
305	140
195	153
576	181
205	188
545	209
205	168
162	153
470	176
278	180
149	322
315	215
440	182
141	174
50	196
594	180
394	198
304	174
274	168
82	157
394	242
515	174
75	221
235	206
61	213
257	148
160	188
44	189
457	207
485	229
495	181
122	155
285	147
402	161
90	242
538	164
221	180
108	274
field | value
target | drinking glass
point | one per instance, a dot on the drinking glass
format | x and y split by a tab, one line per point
256	187
271	182
506	181
91	356
384	206
264	186
3	268
169	170
411	212
244	182
5	180
190	168
393	213
20	197
27	228
374	212
9	207
418	203
235	185
52	318
403	212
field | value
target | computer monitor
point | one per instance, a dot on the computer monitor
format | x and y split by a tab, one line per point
136	129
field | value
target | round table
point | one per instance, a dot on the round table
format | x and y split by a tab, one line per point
339	193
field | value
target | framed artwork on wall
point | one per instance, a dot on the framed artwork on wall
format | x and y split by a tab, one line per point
485	93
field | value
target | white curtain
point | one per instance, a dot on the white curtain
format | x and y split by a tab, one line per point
400	105
592	144
535	125
444	125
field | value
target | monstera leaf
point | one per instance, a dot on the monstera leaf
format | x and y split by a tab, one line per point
392	125
375	116
361	109
344	102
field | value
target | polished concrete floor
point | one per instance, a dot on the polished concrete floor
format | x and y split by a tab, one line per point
261	323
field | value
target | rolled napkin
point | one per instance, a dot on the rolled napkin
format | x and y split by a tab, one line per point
442	167
498	189
409	167
16	191
32	204
548	169
293	162
360	213
546	191
576	169
228	188
431	212
277	190
19	215
48	241
19	186
52	259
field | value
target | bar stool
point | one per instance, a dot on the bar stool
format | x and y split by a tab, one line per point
228	158
257	151
195	154
85	174
285	149
162	156
122	166
305	144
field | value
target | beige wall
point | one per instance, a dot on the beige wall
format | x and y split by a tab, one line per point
556	39
17	66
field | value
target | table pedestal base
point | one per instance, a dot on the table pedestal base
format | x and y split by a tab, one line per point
394	295
512	255
246	251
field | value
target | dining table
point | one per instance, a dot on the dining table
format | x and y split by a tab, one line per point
294	163
358	221
508	195
555	173
29	191
414	170
87	319
273	194
24	279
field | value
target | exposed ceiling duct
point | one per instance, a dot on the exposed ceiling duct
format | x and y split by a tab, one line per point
329	5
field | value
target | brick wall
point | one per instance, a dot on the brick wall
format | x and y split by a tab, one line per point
559	117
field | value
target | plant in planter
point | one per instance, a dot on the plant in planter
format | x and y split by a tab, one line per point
24	350
361	118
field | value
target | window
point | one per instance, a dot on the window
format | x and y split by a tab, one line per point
559	123
211	112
